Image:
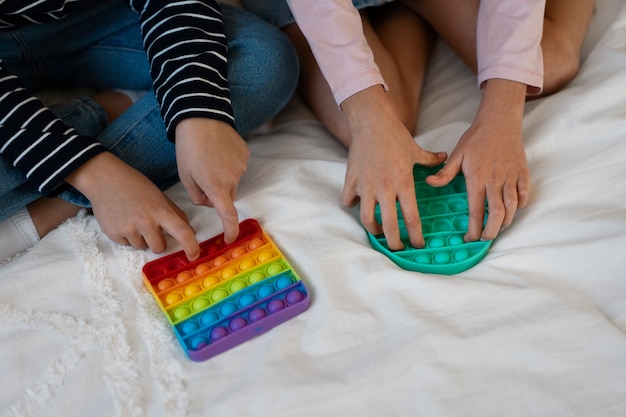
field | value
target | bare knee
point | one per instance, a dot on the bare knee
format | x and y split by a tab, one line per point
560	67
561	56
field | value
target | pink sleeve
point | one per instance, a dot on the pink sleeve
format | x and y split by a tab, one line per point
335	34
509	41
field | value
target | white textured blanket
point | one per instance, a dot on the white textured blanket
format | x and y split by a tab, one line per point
535	329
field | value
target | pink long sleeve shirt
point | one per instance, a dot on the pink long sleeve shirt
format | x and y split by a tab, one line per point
508	43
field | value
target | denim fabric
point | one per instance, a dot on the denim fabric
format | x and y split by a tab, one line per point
277	11
100	47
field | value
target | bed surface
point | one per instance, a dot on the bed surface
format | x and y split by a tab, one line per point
537	328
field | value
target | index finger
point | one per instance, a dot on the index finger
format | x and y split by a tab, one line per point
227	211
497	213
476	207
411	217
389	220
180	230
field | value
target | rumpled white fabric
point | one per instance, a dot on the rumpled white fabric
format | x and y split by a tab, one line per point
538	328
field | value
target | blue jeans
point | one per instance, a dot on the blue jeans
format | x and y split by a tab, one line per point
100	47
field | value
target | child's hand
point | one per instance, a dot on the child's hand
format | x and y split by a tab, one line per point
491	156
212	158
381	156
130	209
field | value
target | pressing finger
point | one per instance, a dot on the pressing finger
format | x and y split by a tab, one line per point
511	203
497	212
412	221
184	234
367	210
230	218
389	216
476	207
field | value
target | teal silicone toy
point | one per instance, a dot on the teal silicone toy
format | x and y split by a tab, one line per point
444	215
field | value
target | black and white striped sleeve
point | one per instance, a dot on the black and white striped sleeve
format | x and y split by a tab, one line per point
186	47
35	141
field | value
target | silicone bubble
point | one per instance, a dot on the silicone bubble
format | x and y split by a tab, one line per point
294	297
210	281
246	300
257	314
445	218
233	293
202	268
183	276
228	309
218	333
237	323
165	284
256	243
209	318
198	343
275	305
237	252
266	291
200	304
283	282
256	277
246	264
189	327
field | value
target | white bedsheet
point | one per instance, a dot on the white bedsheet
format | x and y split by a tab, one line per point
535	329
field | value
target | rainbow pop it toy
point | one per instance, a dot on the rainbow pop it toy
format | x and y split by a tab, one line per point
232	293
444	215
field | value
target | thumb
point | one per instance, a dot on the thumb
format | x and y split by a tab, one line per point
445	174
430	159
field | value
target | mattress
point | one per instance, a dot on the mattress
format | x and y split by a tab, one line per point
536	328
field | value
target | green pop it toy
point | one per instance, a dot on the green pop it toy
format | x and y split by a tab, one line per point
444	215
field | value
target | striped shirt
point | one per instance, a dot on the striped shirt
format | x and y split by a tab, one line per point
186	47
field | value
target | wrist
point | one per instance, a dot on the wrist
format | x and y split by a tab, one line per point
367	107
195	125
85	174
503	99
503	92
88	178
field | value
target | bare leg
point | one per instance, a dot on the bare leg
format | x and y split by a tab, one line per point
48	213
402	49
401	43
564	31
114	103
565	27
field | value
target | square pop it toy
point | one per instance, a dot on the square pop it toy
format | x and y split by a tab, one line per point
444	215
232	293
